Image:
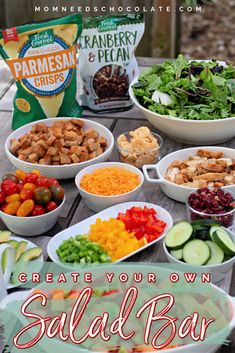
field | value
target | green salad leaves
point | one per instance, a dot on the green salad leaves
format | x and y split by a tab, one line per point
196	90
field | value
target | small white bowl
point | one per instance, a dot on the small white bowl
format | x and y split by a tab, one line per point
218	272
65	171
98	203
31	226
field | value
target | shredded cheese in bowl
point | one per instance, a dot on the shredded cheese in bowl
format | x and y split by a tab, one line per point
110	181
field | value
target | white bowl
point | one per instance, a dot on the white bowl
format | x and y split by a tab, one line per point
198	132
98	203
59	171
218	272
178	192
31	226
83	227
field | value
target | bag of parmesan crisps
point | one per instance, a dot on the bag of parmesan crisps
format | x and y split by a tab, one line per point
42	59
107	61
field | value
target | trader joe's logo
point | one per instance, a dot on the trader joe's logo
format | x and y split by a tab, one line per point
107	25
42	38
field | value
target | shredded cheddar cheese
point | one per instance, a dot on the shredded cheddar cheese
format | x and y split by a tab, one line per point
109	181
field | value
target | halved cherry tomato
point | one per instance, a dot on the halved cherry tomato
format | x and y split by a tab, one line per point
38	210
13	197
31	178
26	194
25	209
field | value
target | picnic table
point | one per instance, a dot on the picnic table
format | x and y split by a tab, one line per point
74	209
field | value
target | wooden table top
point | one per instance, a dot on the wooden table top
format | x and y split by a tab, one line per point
74	209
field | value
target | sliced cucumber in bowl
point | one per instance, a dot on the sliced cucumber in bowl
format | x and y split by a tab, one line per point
178	235
217	254
196	252
224	241
178	254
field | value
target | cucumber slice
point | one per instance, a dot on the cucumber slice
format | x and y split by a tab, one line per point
196	252
178	254
217	255
206	222
178	235
224	241
202	234
212	230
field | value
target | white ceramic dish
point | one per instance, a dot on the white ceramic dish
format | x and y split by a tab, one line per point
218	272
31	226
59	171
29	246
178	192
197	347
98	203
112	212
198	132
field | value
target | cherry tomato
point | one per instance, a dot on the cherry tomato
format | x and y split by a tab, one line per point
13	197
25	209
12	208
31	178
26	194
43	181
10	176
29	186
2	197
42	195
51	206
38	210
53	182
20	174
3	207
36	171
9	187
57	193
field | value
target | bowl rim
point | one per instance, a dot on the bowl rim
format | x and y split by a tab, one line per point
35	217
189	188
81	164
199	266
171	117
157	136
106	164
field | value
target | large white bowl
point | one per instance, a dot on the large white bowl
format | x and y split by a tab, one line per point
198	132
98	203
178	192
59	171
32	226
218	272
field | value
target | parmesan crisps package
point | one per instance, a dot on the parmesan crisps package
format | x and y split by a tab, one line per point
42	59
107	60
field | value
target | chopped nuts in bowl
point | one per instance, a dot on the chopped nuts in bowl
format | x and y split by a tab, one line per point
139	147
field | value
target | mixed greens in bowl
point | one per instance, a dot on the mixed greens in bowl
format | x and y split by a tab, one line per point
189	90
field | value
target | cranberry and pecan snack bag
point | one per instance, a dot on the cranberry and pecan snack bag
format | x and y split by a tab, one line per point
107	61
42	59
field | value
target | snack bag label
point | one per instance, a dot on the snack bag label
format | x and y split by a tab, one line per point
43	63
107	60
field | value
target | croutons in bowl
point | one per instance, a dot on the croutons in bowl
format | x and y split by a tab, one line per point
59	147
